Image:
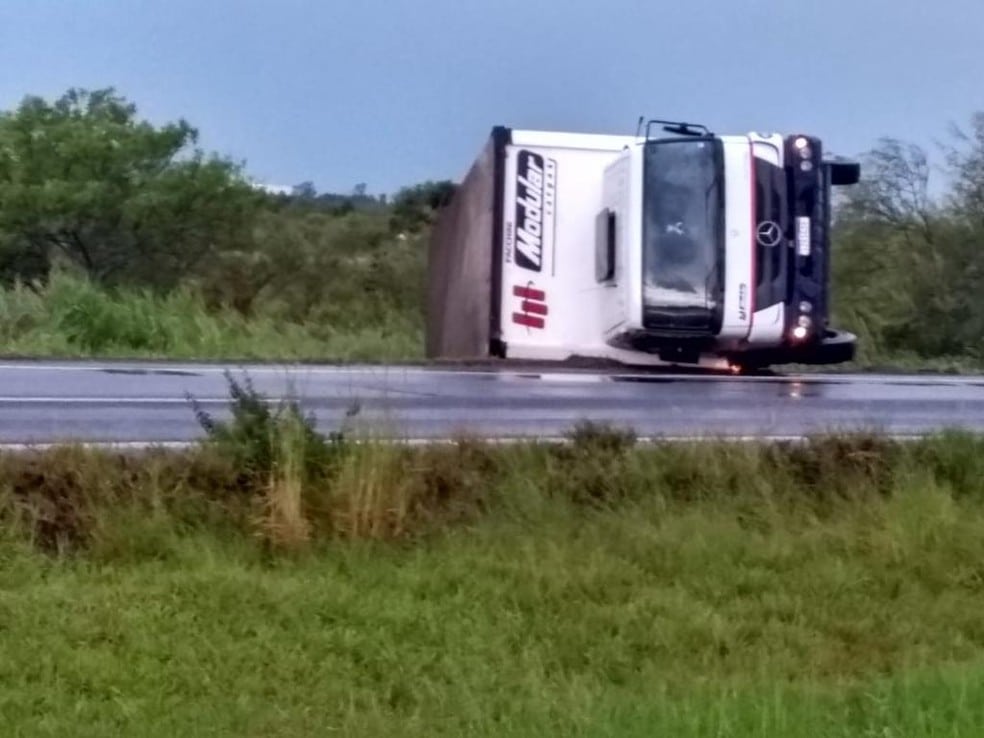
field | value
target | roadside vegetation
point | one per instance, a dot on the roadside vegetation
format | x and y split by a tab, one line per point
69	316
120	238
909	253
273	580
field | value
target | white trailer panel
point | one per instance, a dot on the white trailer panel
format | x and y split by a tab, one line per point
551	302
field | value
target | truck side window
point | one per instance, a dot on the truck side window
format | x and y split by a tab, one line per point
605	235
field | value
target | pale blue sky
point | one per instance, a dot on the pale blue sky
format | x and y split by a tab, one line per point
394	92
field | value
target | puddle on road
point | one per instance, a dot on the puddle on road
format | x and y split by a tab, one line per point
561	378
141	372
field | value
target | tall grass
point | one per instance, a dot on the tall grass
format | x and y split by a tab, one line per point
71	317
284	520
595	588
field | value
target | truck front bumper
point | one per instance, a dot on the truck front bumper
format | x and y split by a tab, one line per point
834	347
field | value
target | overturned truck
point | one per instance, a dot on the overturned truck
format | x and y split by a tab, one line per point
671	246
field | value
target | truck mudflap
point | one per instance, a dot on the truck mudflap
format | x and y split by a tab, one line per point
835	347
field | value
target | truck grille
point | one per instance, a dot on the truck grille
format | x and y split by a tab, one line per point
771	234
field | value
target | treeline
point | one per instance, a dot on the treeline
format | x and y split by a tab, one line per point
118	236
107	223
909	251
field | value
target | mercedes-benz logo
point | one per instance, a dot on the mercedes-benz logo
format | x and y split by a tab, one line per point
768	233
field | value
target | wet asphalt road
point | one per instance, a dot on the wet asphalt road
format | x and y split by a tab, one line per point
144	402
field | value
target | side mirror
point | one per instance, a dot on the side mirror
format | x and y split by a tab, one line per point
844	172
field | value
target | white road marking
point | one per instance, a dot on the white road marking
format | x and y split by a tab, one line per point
442	441
175	369
170	400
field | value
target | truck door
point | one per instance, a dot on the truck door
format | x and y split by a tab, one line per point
613	234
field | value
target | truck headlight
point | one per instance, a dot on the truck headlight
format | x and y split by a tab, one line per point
802	328
802	146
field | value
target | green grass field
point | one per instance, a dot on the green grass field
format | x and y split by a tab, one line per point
269	584
593	628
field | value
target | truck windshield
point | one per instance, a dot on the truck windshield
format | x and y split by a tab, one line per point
683	234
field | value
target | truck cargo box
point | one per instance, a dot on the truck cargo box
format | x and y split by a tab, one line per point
510	273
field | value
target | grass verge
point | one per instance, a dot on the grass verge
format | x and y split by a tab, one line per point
274	582
497	636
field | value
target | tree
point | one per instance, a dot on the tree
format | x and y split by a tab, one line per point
909	267
966	167
415	207
304	191
84	179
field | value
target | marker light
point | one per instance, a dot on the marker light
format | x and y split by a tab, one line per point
801	142
799	333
